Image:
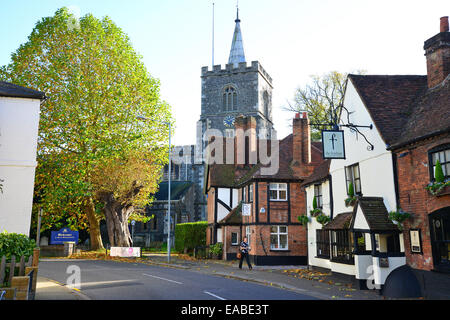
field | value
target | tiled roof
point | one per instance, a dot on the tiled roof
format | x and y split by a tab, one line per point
229	175
389	100
375	213
12	90
320	173
430	115
177	190
340	222
235	216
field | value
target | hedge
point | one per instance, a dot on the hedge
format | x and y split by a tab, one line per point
14	244
190	235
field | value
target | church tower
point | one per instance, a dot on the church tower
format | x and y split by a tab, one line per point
238	89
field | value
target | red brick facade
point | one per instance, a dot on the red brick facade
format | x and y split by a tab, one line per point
413	177
295	164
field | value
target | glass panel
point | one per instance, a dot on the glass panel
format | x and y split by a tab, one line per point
273	195
319	202
283	186
447	155
283	195
283	241
357	186
273	186
283	229
433	158
273	242
441	157
356	171
349	174
273	229
234	101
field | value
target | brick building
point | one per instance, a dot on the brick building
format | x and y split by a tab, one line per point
411	118
275	200
425	139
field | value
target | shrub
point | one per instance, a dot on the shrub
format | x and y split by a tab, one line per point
323	219
438	173
190	235
351	191
13	244
303	219
350	201
216	249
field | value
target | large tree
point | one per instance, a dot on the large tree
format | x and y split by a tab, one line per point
322	99
93	151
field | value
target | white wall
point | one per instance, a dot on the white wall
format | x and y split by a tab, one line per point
376	170
19	120
313	225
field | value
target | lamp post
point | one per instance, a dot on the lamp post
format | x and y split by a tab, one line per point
168	200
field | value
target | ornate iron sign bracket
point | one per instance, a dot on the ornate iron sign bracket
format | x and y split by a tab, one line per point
351	126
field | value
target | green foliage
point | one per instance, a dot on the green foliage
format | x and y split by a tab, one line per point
314	203
323	219
322	99
350	201
397	217
90	137
190	235
216	249
303	219
351	190
438	173
13	244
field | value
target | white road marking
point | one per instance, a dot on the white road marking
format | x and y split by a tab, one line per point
215	296
149	275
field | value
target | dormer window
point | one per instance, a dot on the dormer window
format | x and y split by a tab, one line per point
229	99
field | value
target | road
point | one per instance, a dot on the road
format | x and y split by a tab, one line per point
111	280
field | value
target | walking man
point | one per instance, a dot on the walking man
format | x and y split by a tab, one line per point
244	248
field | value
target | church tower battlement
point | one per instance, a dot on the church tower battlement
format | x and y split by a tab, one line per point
237	89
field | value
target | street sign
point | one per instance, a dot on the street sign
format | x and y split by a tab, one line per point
63	235
246	209
333	144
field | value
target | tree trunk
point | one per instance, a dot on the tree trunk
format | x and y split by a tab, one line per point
116	216
94	226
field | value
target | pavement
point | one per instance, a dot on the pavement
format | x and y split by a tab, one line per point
294	278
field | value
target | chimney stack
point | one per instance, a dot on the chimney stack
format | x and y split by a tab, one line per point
437	51
444	24
301	142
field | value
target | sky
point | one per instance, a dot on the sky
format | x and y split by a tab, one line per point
292	39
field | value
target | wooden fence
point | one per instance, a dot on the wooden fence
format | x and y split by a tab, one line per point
18	277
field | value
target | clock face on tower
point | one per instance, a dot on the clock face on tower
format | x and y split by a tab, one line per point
228	121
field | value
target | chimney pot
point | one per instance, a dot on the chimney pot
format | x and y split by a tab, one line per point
444	24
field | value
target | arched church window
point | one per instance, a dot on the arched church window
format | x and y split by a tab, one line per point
229	99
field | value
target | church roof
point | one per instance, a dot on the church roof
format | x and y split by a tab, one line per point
237	47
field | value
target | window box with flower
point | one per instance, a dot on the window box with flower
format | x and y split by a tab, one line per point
441	185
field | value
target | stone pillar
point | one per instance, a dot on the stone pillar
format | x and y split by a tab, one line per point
69	248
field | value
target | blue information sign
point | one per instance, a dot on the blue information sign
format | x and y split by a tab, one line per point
63	235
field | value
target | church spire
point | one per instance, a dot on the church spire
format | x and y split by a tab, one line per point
237	48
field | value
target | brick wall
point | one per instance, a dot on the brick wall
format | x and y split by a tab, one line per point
413	177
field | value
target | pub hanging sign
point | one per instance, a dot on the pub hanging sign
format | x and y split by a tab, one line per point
333	144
